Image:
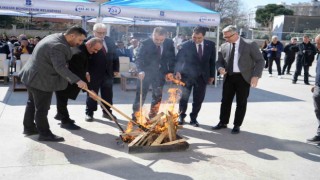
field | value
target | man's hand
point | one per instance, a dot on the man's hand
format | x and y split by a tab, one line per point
222	71
82	85
141	75
254	81
88	77
178	76
210	81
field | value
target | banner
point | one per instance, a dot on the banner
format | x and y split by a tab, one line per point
80	8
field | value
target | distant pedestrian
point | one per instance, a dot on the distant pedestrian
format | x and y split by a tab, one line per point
305	57
290	55
274	50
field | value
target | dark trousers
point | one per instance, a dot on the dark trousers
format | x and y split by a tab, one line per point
270	62
316	103
298	72
198	86
234	85
287	64
157	84
105	86
62	110
36	112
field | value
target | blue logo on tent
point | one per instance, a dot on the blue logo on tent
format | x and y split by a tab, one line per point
28	2
114	10
161	13
79	8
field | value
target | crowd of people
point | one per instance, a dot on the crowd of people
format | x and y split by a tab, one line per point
67	62
303	52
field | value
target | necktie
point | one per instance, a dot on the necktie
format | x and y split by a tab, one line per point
200	51
159	51
231	60
104	50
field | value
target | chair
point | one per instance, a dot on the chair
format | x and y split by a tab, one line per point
19	64
23	60
124	63
4	67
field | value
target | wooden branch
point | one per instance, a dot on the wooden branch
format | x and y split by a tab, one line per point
174	142
160	138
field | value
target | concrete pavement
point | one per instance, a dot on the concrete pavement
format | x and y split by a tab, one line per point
271	145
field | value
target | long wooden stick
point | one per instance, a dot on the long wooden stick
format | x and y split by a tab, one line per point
114	119
108	104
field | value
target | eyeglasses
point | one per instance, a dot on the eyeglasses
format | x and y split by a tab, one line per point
228	37
103	32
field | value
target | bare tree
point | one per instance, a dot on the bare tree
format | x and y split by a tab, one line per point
230	12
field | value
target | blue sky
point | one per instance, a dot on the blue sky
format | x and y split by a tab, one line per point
252	3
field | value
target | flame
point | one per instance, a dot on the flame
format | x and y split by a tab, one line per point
162	125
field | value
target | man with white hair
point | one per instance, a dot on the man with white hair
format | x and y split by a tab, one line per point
274	50
241	63
103	66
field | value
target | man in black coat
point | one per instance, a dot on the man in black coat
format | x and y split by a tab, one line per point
305	58
290	56
196	67
102	67
155	59
79	66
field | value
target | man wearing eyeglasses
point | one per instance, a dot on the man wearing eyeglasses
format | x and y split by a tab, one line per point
102	67
241	63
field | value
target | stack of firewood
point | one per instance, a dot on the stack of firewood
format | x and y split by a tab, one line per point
160	130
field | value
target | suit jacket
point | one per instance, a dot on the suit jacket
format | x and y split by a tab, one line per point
79	66
47	70
251	62
148	60
124	52
190	66
101	64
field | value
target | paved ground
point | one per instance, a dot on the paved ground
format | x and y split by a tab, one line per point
271	144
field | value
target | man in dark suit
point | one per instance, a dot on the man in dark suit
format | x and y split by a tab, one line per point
241	63
102	67
306	51
123	51
46	72
79	66
155	59
196	67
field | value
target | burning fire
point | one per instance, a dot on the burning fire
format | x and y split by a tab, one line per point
159	123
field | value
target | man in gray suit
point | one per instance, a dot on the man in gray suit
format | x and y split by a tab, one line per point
241	63
45	73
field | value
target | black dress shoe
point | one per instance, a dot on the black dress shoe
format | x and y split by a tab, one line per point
194	123
181	121
50	137
89	118
58	117
29	132
307	83
294	82
219	126
70	126
235	130
108	117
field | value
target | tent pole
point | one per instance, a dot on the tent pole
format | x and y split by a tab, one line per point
84	22
217	49
178	29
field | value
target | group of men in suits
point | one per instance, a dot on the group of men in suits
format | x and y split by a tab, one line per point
240	61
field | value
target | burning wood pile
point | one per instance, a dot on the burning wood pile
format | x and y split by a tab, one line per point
158	134
158	131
